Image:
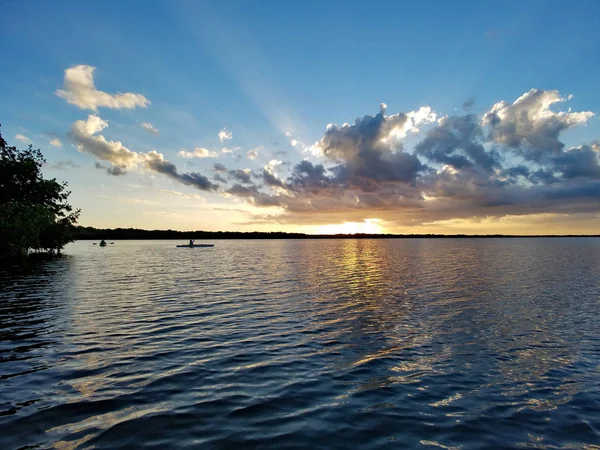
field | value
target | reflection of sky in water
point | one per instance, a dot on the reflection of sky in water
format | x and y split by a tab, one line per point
438	342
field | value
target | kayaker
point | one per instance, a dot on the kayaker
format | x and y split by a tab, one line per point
192	242
102	242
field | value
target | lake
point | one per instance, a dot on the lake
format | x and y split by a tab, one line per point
415	343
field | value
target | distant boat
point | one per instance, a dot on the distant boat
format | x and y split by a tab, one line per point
103	244
195	245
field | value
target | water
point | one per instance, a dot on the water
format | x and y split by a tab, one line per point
367	344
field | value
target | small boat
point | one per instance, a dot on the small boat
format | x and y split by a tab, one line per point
102	244
195	245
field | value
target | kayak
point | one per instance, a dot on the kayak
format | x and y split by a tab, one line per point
195	245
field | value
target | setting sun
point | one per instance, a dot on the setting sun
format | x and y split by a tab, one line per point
368	226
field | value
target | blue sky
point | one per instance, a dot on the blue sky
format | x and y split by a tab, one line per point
262	69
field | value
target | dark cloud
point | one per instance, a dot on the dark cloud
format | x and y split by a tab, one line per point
543	176
254	195
368	149
242	191
241	175
517	171
309	176
580	162
270	179
219	178
457	141
156	162
468	104
511	161
115	170
218	167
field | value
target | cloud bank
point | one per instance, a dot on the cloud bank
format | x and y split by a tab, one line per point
508	161
87	138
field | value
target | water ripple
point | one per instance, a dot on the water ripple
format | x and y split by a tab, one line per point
452	344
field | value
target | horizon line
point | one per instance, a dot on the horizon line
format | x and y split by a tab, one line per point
318	235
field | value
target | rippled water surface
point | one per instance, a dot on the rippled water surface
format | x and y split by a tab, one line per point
441	343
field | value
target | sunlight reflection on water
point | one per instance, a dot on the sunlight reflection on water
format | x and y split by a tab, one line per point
327	344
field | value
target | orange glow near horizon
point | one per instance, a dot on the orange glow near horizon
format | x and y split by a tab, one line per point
368	226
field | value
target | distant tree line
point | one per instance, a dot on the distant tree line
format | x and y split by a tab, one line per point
34	213
82	233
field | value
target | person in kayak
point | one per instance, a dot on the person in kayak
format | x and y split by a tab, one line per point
102	242
192	242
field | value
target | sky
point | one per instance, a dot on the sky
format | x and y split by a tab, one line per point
470	117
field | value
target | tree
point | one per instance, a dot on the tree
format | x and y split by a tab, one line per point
34	213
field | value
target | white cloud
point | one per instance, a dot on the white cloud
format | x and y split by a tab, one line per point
529	123
225	135
226	150
56	143
272	165
254	152
413	119
198	152
150	128
79	90
87	140
22	138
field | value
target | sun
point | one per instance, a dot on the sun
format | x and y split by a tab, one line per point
368	226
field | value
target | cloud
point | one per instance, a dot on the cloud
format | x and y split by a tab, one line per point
508	162
253	195
64	165
198	152
227	150
579	162
56	143
112	169
86	136
468	104
271	179
241	175
79	90
529	125
253	153
368	151
218	167
150	128
155	161
225	135
23	138
457	141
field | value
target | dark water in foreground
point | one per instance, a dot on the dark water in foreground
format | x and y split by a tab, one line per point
305	344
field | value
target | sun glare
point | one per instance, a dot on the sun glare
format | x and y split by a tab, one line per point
368	226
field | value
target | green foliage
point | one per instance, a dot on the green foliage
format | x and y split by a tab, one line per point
34	213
